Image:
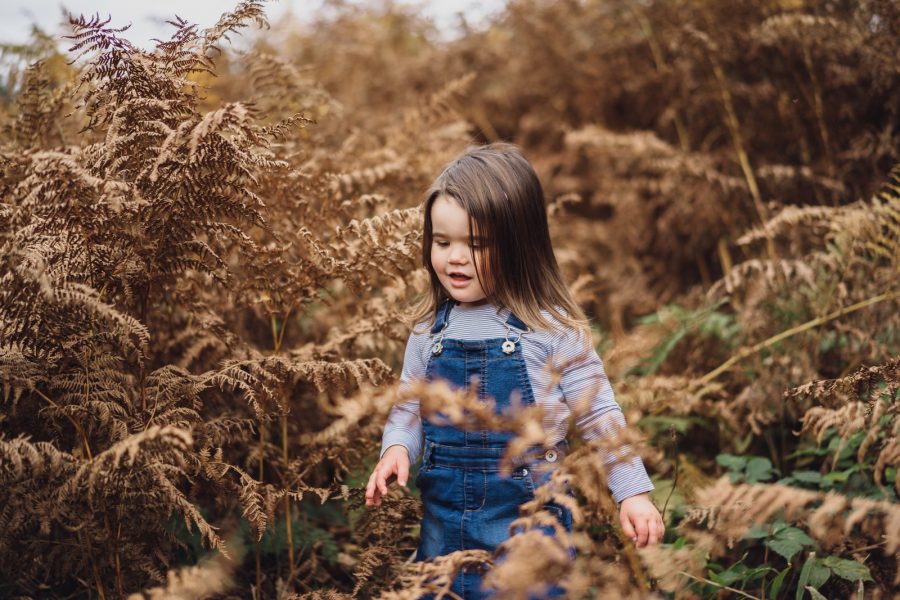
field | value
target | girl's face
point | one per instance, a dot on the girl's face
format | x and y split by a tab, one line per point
452	258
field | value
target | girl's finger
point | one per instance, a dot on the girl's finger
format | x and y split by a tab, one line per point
627	528
370	490
378	484
643	530
380	481
403	473
655	532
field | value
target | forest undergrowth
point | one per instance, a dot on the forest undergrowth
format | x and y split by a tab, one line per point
206	257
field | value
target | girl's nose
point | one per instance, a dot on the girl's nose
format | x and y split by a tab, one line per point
459	255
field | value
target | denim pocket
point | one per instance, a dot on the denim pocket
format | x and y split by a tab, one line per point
524	475
421	475
532	484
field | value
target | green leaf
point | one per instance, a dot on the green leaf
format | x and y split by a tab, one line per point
735	465
786	548
730	575
795	535
778	524
853	443
722	578
838	476
808	451
813	573
757	573
819	574
835	477
847	569
807	476
757	532
815	594
663	423
804	576
732	462
661	352
759	469
778	582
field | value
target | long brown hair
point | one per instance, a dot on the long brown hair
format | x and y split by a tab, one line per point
501	193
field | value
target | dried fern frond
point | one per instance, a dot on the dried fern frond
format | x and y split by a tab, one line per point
387	538
247	11
156	441
369	403
210	577
886	240
794	26
22	460
668	395
439	105
771	274
347	183
729	510
39	103
531	562
871	232
436	576
835	393
877	414
816	220
17	372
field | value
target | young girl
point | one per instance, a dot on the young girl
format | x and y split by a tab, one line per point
498	312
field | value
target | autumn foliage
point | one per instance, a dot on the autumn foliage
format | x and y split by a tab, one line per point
207	259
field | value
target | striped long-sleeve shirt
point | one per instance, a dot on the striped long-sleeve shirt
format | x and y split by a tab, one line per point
582	379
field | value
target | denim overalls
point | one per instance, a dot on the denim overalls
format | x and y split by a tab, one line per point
467	504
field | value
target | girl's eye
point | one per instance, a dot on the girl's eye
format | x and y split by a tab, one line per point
442	243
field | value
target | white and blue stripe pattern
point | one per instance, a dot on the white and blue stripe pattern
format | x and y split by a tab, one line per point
582	375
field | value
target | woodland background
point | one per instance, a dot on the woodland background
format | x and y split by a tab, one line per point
207	255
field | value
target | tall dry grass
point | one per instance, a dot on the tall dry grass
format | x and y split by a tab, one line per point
206	259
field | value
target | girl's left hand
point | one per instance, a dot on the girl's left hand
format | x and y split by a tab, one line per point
641	521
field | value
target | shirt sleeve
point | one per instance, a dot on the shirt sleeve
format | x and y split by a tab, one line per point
583	379
404	423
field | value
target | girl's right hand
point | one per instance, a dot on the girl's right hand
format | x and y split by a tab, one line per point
395	462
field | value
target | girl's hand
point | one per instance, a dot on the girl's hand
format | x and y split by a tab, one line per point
641	521
394	462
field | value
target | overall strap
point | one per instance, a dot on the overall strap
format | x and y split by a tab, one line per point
442	314
514	321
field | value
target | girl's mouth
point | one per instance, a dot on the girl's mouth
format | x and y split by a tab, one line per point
459	280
